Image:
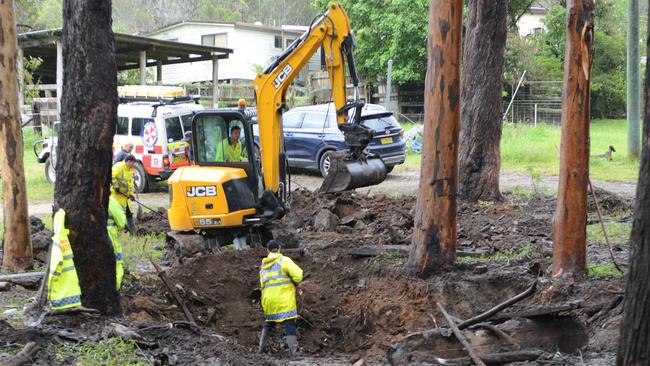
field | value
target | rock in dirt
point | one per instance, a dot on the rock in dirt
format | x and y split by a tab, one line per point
186	245
41	236
5	286
286	238
325	220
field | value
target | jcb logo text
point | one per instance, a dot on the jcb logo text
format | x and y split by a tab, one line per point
200	191
282	76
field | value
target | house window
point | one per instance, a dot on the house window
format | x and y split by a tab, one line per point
215	40
278	42
289	41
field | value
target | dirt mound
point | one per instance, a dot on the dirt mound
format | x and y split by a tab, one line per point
41	238
153	222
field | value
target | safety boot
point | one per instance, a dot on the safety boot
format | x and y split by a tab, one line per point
292	343
264	340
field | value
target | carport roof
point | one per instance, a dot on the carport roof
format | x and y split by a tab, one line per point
127	48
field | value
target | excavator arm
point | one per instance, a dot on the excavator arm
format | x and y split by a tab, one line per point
351	169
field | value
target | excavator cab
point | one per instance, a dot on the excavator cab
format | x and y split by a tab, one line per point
222	194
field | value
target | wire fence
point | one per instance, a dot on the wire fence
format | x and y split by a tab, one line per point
537	102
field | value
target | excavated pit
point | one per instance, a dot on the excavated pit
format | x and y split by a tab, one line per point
362	304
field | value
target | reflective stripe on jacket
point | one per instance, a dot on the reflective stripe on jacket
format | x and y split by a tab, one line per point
62	282
278	277
122	180
115	223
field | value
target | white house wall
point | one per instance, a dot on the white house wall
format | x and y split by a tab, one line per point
529	23
250	48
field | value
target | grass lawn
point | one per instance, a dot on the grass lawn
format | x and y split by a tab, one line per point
535	150
38	189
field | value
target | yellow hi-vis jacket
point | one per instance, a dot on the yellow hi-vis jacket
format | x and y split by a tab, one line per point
116	221
279	276
62	282
122	180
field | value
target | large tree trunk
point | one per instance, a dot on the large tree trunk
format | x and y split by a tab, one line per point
634	346
17	252
434	236
570	220
88	114
480	134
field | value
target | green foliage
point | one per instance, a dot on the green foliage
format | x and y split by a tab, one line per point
603	270
617	232
542	55
111	352
388	29
526	251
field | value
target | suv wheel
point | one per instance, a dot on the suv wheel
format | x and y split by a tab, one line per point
140	179
50	173
389	169
325	163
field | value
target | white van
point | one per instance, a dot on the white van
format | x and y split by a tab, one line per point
154	119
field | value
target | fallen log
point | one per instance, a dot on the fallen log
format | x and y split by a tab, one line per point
25	355
472	353
530	311
402	250
18	276
170	288
499	333
486	315
495	358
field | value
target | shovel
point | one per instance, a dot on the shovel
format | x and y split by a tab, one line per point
138	215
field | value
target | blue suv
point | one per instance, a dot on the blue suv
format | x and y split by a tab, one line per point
311	133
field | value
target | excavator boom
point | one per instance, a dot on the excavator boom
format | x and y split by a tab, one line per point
350	169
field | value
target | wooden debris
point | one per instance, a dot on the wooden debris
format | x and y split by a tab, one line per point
460	337
403	250
538	310
210	317
481	317
499	333
25	355
170	288
495	358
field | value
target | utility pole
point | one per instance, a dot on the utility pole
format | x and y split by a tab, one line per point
434	235
569	222
389	85
17	242
633	80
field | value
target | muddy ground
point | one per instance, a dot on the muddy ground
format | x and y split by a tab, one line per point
355	304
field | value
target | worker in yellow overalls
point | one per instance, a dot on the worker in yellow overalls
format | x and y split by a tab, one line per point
279	276
63	291
123	187
115	223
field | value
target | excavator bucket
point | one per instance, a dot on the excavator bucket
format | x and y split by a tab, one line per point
346	173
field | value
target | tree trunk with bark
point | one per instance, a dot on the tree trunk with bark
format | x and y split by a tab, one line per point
481	106
17	252
434	236
634	342
88	114
570	219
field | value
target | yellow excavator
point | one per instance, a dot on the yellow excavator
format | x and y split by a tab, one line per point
234	188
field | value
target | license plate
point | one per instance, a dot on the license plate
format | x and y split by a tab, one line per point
386	140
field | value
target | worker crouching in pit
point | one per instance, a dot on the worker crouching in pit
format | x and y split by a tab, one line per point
279	276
